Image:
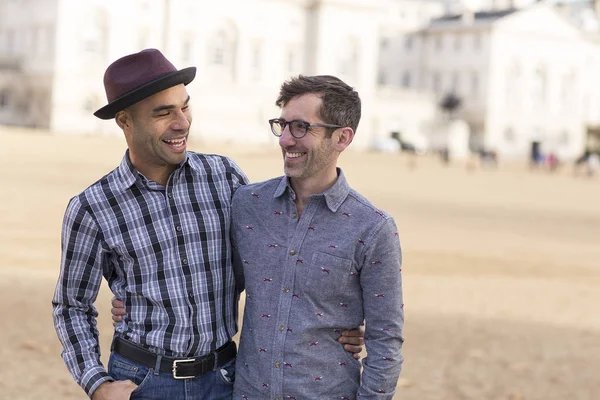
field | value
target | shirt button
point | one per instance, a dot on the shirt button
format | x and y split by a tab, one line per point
184	261
277	364
178	228
292	252
294	216
287	290
170	195
281	327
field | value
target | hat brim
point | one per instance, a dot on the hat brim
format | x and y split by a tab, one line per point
109	111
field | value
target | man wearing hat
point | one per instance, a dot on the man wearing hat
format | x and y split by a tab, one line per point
157	228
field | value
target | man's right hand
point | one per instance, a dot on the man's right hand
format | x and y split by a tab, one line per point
117	310
117	390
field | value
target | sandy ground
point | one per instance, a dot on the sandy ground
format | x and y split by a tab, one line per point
501	268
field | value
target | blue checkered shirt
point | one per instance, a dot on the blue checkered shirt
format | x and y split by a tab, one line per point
164	251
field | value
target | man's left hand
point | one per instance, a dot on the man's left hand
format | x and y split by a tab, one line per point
353	341
117	310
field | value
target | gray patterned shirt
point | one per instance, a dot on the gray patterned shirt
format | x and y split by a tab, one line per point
306	281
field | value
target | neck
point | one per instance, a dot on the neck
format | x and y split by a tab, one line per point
160	175
157	173
304	188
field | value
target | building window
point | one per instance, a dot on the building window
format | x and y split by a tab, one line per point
509	135
26	42
455	82
474	84
564	138
217	54
44	40
348	58
567	87
90	46
436	82
476	41
91	103
256	64
95	34
223	47
384	43
408	43
143	37
186	48
291	60
381	78
406	79
457	43
513	85
439	43
539	86
10	42
4	98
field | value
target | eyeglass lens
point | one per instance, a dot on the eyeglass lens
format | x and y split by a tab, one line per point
297	128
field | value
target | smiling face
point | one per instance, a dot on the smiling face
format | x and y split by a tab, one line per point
313	158
156	130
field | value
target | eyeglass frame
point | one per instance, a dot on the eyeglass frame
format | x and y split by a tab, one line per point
307	125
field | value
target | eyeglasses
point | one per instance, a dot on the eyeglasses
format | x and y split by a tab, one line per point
298	128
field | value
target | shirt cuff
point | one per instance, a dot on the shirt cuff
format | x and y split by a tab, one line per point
92	378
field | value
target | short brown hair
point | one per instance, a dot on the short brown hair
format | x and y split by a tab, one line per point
340	103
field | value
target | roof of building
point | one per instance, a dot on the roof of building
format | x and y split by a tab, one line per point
490	15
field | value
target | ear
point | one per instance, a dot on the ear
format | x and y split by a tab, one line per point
344	138
123	119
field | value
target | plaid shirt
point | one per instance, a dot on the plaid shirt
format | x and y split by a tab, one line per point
164	251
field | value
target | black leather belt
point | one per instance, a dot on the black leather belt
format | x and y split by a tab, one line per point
181	368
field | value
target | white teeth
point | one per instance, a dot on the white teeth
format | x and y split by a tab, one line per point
176	142
292	155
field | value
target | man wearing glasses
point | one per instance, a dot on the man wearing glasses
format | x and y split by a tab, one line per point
317	258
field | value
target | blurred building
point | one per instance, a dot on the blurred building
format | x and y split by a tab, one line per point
523	76
523	70
27	41
53	54
459	6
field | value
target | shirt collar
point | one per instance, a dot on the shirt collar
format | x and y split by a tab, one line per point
128	174
334	196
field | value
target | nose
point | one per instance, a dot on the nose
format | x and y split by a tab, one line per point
181	121
286	139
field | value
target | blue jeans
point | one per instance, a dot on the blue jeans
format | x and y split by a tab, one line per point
213	385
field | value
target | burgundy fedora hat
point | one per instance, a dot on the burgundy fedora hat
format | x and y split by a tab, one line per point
137	76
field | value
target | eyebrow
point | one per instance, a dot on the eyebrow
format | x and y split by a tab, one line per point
168	107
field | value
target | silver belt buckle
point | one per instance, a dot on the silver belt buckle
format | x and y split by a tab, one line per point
175	363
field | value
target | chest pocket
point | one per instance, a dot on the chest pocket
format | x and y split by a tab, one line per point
328	275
